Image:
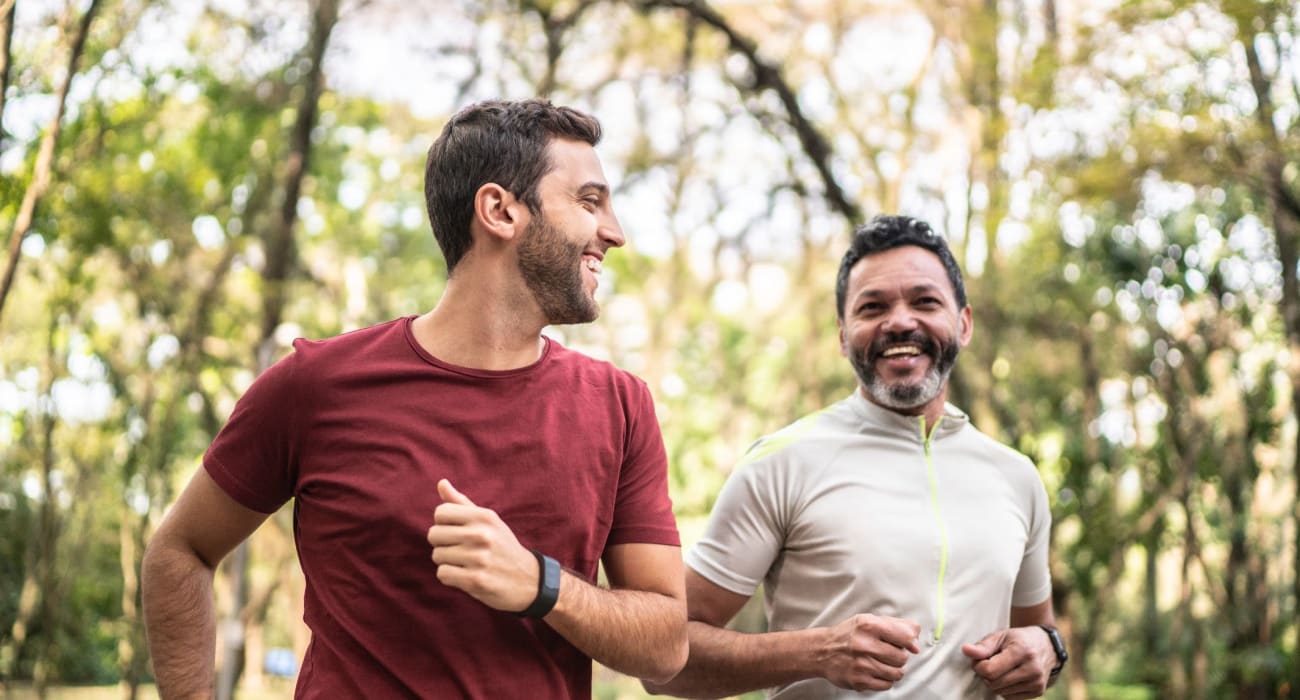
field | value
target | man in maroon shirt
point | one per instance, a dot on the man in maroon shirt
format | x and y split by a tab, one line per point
457	476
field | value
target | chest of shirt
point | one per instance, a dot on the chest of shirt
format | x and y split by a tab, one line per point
898	516
548	464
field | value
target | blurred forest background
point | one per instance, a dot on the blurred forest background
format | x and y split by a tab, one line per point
187	185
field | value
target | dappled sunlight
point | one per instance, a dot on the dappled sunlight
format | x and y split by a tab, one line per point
1118	180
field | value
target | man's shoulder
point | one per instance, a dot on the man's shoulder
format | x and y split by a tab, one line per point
808	438
988	443
351	341
1008	459
593	371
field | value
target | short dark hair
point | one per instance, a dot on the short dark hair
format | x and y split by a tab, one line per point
493	141
885	232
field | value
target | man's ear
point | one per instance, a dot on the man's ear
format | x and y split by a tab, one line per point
967	321
498	211
839	325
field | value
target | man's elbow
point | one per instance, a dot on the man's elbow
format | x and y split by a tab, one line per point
153	563
660	683
676	661
168	560
669	685
654	688
668	664
675	684
668	658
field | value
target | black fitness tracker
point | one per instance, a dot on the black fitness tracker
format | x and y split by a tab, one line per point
1058	646
548	586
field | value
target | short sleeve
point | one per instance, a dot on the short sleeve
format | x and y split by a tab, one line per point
745	531
1034	582
643	510
253	457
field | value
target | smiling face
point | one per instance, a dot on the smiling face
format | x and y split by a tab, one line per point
902	329
564	244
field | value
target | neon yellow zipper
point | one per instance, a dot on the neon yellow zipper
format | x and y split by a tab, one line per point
938	516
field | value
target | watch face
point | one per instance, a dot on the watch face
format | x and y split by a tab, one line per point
1058	646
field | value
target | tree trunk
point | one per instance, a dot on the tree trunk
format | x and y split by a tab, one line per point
35	605
45	157
1076	683
49	537
1153	674
28	597
130	662
1284	211
8	13
281	258
1241	619
131	642
1180	673
1090	411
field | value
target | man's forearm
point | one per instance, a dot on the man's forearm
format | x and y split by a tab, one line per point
724	663
639	633
179	621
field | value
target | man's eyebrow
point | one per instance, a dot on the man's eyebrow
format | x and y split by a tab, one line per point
595	186
920	288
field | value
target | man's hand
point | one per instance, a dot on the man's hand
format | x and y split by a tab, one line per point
867	652
477	553
1015	663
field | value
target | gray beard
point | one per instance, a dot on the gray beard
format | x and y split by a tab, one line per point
906	397
901	396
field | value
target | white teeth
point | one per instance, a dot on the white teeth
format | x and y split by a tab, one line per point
593	265
901	350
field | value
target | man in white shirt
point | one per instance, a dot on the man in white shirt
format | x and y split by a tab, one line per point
902	552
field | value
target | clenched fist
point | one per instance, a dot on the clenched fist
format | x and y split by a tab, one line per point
868	652
477	553
1015	663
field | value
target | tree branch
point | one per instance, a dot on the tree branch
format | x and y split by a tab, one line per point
45	157
281	252
767	76
8	14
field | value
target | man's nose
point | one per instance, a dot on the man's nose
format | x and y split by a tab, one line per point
899	319
609	230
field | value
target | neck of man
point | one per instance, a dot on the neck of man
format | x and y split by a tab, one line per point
931	410
486	319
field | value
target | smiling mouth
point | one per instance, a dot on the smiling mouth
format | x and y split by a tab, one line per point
592	264
901	351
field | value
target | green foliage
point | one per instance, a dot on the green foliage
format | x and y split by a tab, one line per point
1130	339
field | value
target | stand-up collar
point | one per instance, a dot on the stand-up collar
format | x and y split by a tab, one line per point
879	417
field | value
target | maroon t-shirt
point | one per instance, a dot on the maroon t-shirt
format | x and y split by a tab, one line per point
360	428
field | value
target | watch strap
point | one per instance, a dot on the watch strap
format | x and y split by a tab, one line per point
1058	646
548	587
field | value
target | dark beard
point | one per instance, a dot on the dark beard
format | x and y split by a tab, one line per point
900	395
552	269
